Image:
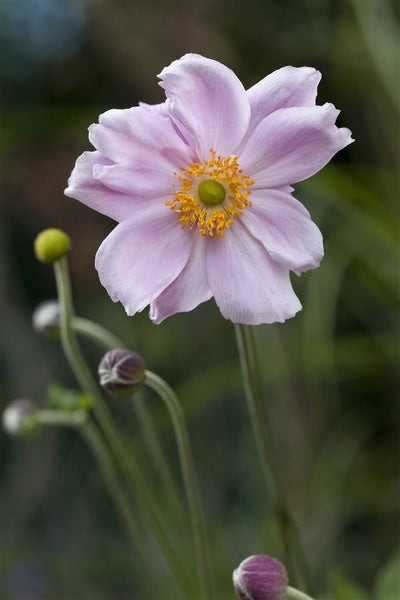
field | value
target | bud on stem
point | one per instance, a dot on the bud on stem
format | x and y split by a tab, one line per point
121	372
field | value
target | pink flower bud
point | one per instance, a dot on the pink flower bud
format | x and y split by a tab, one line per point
121	372
260	577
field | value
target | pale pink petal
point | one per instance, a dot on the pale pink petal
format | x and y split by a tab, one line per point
141	137
188	290
208	101
83	186
249	287
142	182
292	144
284	88
142	256
285	229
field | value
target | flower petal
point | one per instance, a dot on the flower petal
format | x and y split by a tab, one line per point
83	186
292	144
188	290
285	229
141	137
286	87
208	101
142	182
248	286
142	256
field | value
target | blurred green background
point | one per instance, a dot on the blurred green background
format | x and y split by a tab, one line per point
330	374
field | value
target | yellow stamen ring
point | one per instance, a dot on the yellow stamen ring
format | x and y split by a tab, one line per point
211	195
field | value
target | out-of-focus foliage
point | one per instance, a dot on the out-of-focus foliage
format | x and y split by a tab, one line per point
330	374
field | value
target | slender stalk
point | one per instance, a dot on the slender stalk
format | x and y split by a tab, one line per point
109	341
188	472
79	420
74	418
254	397
97	332
106	464
134	479
155	451
294	594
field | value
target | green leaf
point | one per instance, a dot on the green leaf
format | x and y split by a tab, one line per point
61	398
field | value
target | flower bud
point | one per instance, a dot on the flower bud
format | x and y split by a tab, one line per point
19	418
260	577
121	372
46	319
51	245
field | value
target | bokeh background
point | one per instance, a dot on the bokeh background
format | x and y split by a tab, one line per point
330	374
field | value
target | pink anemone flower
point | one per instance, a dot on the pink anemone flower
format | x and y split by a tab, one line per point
200	186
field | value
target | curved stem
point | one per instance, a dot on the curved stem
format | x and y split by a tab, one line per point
156	453
79	420
188	473
109	341
254	397
294	594
134	478
97	332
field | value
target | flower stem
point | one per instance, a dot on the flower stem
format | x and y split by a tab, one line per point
97	332
254	397
294	594
79	420
109	341
133	476
188	472
74	418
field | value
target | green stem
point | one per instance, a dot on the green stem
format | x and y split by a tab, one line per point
254	397
155	451
294	594
188	472
79	420
109	341
106	464
74	418
134	478
97	332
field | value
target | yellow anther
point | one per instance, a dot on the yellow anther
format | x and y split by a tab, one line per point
195	208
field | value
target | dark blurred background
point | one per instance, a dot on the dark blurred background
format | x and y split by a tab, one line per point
330	374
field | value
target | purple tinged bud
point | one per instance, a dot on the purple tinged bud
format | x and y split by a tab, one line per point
19	418
46	319
121	372
260	577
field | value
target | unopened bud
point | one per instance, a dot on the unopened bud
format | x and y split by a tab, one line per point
19	418
51	245
260	577
46	319
121	372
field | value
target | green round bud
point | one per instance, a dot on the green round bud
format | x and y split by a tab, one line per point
211	192
121	372
51	245
19	418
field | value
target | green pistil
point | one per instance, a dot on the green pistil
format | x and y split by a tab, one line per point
211	192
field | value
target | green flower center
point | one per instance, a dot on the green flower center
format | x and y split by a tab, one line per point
211	192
